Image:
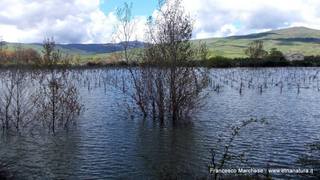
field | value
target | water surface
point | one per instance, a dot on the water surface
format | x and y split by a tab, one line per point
107	142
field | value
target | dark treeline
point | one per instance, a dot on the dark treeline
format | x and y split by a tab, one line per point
213	62
223	62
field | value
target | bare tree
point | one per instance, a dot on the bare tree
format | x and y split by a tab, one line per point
203	51
255	50
124	33
6	101
2	44
16	108
124	30
55	103
170	33
23	106
58	102
2	48
162	85
48	51
227	145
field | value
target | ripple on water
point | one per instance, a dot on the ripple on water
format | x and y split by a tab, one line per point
107	144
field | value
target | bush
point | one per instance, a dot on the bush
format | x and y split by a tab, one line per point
220	61
223	62
93	64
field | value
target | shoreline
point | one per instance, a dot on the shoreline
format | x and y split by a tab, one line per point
211	64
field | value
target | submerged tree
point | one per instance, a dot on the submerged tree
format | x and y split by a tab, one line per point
2	48
51	55
169	36
2	43
255	50
164	86
312	159
219	161
58	102
16	106
6	101
124	30
124	33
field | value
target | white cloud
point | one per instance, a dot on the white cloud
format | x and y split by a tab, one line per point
82	21
70	21
230	17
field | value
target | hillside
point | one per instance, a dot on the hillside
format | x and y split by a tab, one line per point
296	39
81	49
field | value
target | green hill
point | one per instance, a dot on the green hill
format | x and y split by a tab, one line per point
81	49
296	39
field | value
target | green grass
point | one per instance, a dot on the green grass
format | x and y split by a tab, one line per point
297	39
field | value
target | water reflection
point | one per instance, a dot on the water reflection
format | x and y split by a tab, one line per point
160	150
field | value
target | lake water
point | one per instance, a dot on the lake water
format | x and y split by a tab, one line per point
108	143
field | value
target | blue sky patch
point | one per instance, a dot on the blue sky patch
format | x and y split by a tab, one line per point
140	7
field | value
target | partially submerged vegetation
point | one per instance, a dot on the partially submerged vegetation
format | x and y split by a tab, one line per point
312	160
46	97
169	90
30	100
164	80
222	62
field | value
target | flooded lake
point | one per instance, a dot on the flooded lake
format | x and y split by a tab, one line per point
109	142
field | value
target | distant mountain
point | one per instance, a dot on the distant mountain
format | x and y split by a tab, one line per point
296	39
100	48
83	49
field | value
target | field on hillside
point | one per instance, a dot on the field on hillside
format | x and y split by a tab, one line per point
235	47
299	39
291	40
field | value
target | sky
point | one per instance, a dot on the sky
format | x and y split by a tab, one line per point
139	7
92	21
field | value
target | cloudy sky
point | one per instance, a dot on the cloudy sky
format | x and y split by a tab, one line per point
92	21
